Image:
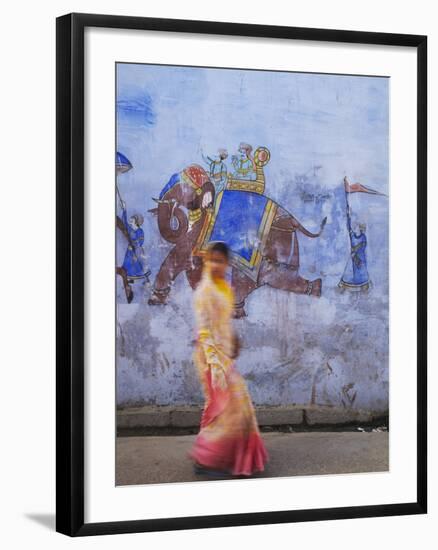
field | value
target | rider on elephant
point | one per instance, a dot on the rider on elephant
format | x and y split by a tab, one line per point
218	169
244	168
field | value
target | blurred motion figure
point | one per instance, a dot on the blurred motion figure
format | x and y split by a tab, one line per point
229	440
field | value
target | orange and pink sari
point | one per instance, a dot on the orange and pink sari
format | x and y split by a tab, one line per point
229	439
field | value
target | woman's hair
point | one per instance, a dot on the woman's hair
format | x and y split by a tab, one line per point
219	246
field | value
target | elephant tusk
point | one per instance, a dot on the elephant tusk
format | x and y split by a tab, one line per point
161	201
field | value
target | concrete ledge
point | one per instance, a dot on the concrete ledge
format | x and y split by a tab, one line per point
320	416
144	417
185	418
279	416
294	415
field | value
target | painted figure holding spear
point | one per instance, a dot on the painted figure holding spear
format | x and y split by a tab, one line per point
355	276
133	267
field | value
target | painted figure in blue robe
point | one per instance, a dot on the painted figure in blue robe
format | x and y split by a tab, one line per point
132	262
243	163
133	267
217	169
356	276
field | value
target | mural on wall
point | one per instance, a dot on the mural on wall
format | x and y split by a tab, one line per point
262	160
262	235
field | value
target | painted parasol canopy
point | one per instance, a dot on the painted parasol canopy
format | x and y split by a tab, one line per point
122	163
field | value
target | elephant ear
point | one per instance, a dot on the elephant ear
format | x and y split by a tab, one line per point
198	197
208	195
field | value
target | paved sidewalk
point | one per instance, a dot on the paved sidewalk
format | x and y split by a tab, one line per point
160	459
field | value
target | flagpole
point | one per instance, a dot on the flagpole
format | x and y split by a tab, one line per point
119	195
347	202
347	208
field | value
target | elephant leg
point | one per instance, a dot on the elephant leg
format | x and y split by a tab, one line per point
242	286
175	262
282	247
194	271
286	277
128	290
278	245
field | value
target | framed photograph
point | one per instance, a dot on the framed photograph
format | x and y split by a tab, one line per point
241	274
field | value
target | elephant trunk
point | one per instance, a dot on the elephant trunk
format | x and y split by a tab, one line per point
172	221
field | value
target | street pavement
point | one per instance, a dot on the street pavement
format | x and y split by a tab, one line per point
160	459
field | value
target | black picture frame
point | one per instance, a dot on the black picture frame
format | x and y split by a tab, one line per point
70	273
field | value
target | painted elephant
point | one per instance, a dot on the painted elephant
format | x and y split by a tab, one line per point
184	207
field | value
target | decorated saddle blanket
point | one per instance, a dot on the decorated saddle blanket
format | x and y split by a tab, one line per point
241	219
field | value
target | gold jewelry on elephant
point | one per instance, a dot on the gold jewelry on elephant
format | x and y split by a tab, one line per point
195	215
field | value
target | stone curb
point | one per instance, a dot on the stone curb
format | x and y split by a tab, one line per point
189	417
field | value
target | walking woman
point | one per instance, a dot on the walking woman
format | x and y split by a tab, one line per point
229	440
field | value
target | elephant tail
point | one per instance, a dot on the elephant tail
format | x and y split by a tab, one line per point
289	224
308	233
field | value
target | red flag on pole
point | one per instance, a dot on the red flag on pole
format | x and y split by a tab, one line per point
359	188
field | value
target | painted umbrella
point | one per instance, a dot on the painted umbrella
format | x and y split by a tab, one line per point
122	163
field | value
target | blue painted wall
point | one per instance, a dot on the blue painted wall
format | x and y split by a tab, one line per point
318	128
